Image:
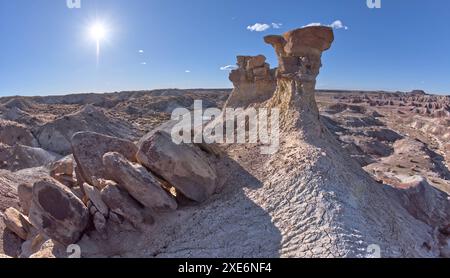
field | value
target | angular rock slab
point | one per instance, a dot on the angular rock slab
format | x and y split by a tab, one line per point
140	184
94	195
57	212
121	203
89	148
17	223
185	167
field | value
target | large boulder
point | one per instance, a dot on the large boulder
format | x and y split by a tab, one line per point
89	148
57	212
121	203
142	185
55	136
186	167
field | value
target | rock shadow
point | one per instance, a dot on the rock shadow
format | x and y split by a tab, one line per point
229	224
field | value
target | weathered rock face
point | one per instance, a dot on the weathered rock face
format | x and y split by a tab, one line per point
55	136
17	222
18	157
253	81
62	171
185	167
299	55
142	185
89	148
12	133
425	202
57	212
95	197
121	203
25	192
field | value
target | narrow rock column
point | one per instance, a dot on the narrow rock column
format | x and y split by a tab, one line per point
299	55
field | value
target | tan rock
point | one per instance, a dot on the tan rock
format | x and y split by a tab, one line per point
138	182
17	222
57	212
62	170
89	148
185	167
303	41
25	192
253	81
121	203
95	197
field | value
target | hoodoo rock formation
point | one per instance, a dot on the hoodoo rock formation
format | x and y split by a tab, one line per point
253	81
160	199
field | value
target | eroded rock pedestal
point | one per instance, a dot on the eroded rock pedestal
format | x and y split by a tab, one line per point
299	55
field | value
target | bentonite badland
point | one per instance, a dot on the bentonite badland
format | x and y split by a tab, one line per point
352	172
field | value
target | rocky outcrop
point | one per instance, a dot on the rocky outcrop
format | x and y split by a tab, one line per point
142	185
299	55
57	212
425	202
253	81
89	148
56	136
18	157
185	167
12	133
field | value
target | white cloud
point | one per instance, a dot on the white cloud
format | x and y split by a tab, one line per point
187	71
277	25
144	63
141	51
338	25
335	25
313	24
228	67
258	27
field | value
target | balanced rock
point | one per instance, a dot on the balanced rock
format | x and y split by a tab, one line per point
57	212
185	167
121	203
299	51
89	148
17	222
142	185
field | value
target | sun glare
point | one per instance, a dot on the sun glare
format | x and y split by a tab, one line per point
98	31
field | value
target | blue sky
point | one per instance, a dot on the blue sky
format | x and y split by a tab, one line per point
45	47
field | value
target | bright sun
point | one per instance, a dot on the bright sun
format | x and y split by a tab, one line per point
98	31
